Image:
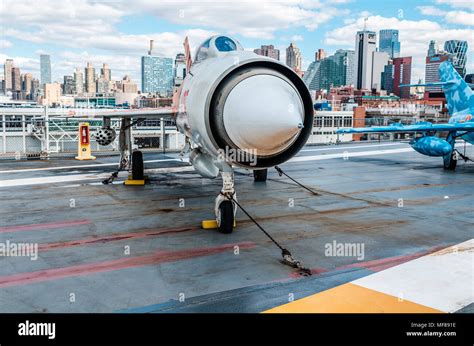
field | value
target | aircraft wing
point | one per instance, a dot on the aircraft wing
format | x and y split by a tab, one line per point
469	127
156	113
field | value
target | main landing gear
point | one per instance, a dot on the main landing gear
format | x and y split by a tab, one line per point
129	160
260	175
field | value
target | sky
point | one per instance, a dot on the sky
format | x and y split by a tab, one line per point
117	32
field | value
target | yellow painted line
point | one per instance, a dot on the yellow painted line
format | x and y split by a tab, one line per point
134	182
212	224
351	298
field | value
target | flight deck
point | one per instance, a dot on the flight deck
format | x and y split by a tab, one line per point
117	248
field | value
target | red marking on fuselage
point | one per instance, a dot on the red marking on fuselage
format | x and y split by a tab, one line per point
44	226
111	265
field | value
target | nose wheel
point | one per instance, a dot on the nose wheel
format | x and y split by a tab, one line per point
225	217
225	208
137	165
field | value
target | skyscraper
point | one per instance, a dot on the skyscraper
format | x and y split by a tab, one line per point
128	86
458	50
379	60
90	78
45	68
69	85
106	72
312	76
179	69
320	54
102	85
157	75
8	74
268	50
293	57
402	75
336	70
388	42
365	45
16	83
78	81
387	77
433	48
432	74
27	85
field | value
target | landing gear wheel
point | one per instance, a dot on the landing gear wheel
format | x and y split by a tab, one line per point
450	162
260	175
226	217
137	165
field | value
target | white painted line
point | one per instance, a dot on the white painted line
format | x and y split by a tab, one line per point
170	169
443	280
52	179
337	147
78	166
81	177
349	154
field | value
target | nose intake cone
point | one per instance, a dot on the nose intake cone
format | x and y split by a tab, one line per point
263	113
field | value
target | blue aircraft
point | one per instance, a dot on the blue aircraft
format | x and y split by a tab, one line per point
460	99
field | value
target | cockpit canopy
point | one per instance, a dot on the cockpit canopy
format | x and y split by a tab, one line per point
215	45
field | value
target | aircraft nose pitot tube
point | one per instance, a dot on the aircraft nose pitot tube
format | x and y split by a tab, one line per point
431	146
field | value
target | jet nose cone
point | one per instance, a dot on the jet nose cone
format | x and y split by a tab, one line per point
263	113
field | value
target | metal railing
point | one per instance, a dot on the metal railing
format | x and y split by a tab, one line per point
27	137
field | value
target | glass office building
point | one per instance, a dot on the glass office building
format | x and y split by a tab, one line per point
388	43
458	51
45	69
157	75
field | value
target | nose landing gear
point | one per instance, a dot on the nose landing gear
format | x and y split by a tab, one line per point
225	209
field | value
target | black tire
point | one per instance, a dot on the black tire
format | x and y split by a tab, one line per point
449	163
260	175
226	209
137	165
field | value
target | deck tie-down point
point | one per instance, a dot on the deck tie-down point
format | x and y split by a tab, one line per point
288	258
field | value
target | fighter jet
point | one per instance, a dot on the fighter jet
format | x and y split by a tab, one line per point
460	104
236	109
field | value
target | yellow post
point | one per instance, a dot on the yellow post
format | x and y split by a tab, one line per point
84	144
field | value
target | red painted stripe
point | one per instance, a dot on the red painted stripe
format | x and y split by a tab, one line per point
41	226
388	262
113	237
129	262
378	264
314	271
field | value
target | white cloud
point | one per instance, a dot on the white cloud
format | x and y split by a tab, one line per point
460	17
431	11
414	37
458	3
89	25
255	19
453	17
5	44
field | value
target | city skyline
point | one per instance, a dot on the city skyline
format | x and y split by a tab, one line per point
310	24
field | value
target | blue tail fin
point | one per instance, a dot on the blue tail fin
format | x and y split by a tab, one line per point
459	95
